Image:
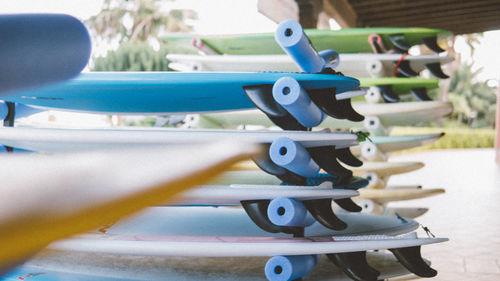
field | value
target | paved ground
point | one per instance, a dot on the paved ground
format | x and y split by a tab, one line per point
468	213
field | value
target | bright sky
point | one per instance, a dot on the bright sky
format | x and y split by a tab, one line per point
238	16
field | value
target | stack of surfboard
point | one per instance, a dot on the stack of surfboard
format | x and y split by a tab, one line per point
380	74
283	212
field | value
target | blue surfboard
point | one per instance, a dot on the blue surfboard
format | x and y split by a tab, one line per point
172	92
37	49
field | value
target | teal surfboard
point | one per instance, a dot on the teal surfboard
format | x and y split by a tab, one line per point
166	92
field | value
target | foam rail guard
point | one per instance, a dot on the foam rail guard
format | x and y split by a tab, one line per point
371	152
291	37
285	211
373	95
375	68
281	268
330	57
289	94
293	156
373	125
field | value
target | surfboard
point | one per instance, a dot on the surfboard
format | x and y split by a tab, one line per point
37	273
232	195
63	266
382	169
66	140
346	40
98	186
355	65
377	116
390	195
381	146
385	169
39	49
406	212
228	246
373	207
244	245
167	92
226	221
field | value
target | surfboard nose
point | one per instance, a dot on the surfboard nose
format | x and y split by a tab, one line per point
37	49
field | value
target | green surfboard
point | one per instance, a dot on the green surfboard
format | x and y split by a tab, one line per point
347	40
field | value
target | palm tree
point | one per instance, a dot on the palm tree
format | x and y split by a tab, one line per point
474	102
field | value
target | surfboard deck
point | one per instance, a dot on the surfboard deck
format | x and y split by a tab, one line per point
166	92
232	195
356	65
230	221
259	177
65	140
84	267
228	246
99	187
390	114
346	40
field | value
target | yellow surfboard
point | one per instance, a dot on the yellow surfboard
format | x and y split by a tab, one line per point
48	197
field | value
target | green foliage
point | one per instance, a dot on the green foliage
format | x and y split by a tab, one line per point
135	57
454	138
474	102
147	121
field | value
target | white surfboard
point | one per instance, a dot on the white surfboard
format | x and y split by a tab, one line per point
382	116
406	212
380	147
63	266
232	195
230	221
229	246
356	65
60	140
377	208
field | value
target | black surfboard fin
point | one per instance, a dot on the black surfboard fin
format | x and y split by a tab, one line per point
326	158
326	100
420	94
398	40
436	70
257	211
348	205
262	97
11	114
405	69
431	43
355	266
388	94
265	163
321	210
345	156
377	48
350	113
411	259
